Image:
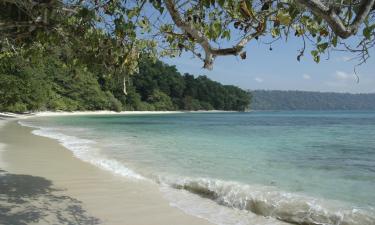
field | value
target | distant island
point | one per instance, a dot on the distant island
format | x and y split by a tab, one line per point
307	100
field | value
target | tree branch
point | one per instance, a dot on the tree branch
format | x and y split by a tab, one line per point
210	52
334	21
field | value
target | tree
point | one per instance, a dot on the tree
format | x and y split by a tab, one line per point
321	22
32	80
103	32
201	27
161	101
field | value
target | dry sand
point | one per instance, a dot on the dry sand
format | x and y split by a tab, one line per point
110	198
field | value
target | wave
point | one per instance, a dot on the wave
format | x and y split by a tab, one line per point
269	202
84	149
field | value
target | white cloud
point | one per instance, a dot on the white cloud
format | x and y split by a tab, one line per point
258	79
341	81
342	76
344	59
306	76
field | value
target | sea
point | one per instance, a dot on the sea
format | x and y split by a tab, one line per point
299	167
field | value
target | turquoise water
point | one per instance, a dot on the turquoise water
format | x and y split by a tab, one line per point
313	167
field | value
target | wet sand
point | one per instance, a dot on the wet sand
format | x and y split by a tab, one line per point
94	195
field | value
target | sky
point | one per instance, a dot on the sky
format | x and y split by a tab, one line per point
279	69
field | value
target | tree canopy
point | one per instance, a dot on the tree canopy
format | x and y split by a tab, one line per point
50	82
202	27
323	23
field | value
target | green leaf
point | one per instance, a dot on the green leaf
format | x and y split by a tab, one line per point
275	32
334	40
367	31
221	2
314	53
284	17
216	30
317	59
133	12
157	5
226	34
322	47
144	24
206	3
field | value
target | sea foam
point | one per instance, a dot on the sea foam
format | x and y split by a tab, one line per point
84	149
269	202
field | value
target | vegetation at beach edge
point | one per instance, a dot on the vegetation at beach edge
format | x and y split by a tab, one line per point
52	83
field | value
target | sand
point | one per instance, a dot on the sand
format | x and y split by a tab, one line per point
101	112
85	193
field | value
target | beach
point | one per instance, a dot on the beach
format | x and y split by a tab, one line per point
96	196
186	168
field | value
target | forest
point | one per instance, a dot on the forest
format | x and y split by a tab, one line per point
52	84
306	100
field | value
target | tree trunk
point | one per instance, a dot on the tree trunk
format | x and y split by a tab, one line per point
124	90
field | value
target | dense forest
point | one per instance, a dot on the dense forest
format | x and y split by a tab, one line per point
161	87
305	100
28	84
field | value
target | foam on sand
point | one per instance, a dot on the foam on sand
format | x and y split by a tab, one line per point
85	150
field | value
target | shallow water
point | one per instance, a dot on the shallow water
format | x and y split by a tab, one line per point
301	167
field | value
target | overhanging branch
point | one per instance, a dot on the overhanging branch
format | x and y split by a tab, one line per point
334	21
210	52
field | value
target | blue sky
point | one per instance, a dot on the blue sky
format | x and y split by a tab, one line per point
279	69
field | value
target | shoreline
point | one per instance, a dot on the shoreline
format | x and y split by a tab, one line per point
8	115
110	198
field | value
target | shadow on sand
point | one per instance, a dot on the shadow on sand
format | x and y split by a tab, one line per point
26	199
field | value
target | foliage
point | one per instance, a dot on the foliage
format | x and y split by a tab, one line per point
53	82
185	92
204	27
161	101
22	87
303	100
39	84
117	32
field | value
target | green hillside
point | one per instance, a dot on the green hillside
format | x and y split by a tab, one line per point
305	100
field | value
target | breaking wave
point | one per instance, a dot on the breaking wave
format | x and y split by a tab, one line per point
269	202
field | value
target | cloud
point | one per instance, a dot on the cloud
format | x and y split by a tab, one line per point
306	76
342	76
258	79
344	59
341	80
